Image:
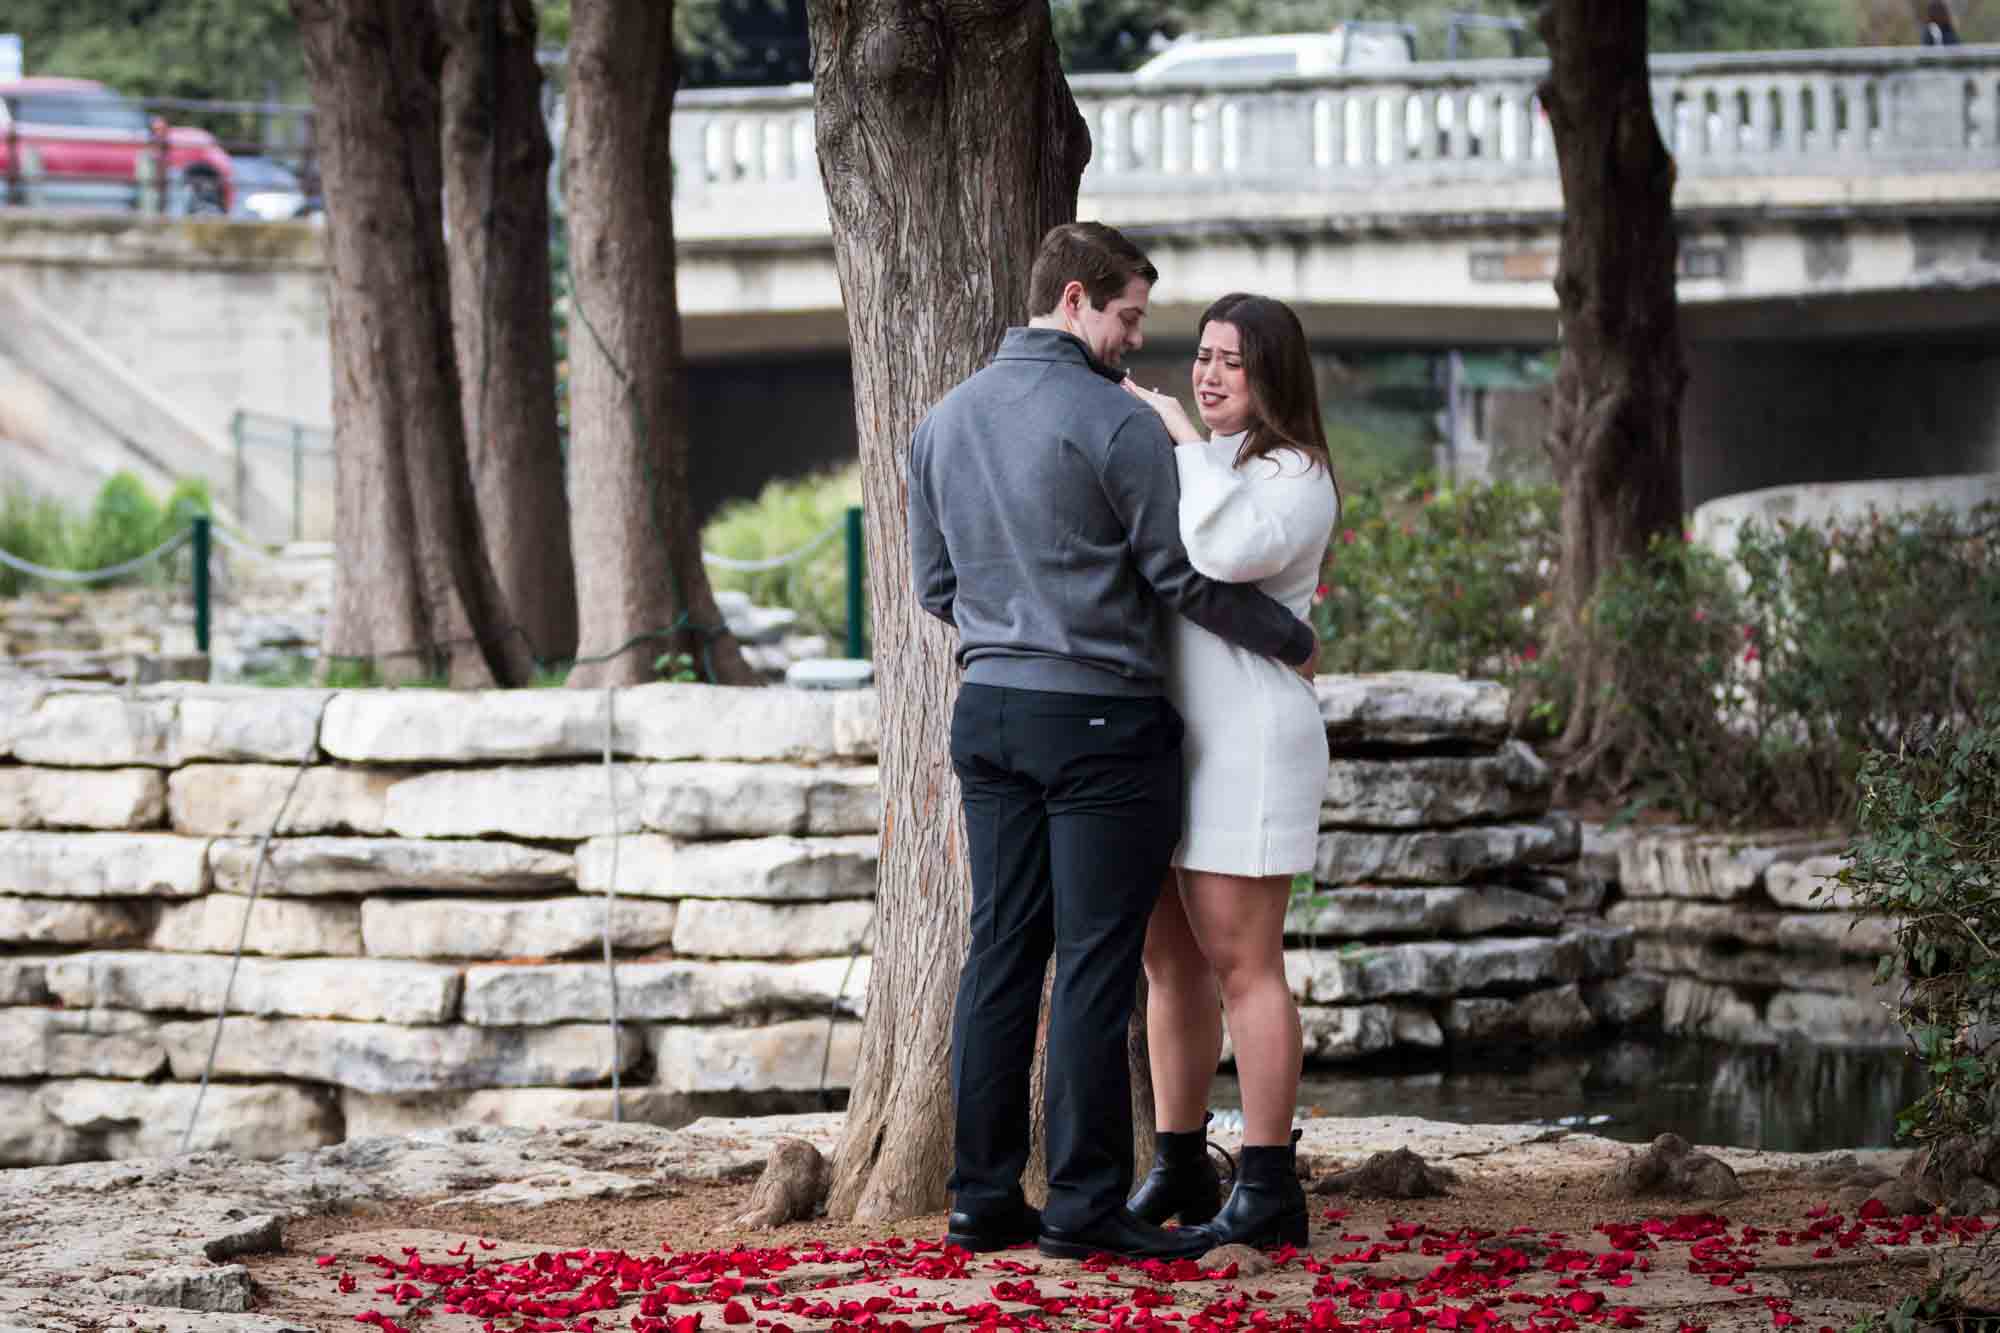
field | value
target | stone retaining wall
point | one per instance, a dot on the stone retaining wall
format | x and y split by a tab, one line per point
1755	938
425	943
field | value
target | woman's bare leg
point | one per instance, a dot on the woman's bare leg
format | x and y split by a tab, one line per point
1183	1017
1239	925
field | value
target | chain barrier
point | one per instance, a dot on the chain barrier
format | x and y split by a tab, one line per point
109	572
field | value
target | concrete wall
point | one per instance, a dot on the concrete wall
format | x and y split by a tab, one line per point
215	315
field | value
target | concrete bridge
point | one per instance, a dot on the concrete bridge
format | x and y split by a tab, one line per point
1837	191
1840	275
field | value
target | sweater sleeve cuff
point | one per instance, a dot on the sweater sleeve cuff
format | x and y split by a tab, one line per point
1300	649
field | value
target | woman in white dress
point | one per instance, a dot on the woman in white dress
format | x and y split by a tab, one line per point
1258	503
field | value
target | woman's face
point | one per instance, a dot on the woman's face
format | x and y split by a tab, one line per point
1221	389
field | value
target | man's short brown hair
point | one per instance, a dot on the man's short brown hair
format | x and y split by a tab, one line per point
1091	253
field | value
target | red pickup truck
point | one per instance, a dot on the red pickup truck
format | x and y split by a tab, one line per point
74	143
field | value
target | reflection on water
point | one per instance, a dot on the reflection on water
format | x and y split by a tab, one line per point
1795	1099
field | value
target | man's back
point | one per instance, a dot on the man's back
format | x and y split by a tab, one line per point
1033	471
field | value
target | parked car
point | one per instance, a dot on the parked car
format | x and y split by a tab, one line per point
1352	45
90	142
270	192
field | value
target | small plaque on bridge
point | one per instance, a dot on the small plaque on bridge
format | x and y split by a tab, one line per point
1696	261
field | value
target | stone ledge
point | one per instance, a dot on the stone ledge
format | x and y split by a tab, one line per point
573	802
72	921
103	865
801	1055
720	928
1442	856
100	798
316	866
166	726
387	1057
362	990
676	990
1434	791
1555	1014
1363	912
24	981
1448	970
368	1114
1411	708
661	721
86	1043
1715	867
278	927
117	1119
510	928
781	869
243	799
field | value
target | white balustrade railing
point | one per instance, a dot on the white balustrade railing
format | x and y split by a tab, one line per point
1745	114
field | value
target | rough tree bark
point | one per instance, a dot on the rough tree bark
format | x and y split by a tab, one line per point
496	162
949	144
1614	432
413	592
641	589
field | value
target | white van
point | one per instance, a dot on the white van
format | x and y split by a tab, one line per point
1345	46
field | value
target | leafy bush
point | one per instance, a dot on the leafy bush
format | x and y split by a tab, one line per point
1927	854
124	523
1439	580
785	517
1753	692
37	529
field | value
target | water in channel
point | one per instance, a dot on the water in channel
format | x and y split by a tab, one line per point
1785	1099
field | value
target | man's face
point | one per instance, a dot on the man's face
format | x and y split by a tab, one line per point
1111	332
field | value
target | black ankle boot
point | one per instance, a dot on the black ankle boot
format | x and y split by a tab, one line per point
1182	1183
1267	1207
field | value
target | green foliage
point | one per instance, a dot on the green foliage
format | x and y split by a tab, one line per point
239	50
784	517
1756	693
125	522
1675	629
35	528
677	667
1926	854
1748	25
1439	580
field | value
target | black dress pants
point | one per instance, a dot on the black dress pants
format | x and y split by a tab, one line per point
1072	811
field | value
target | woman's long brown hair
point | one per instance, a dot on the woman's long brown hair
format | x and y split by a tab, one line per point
1284	396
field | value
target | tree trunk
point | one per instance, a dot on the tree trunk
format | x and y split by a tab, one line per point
413	592
949	144
1614	432
641	590
496	159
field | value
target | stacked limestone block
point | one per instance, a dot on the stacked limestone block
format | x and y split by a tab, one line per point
1448	908
425	946
1758	942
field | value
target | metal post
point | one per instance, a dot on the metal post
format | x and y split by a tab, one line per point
298	481
857	643
236	432
201	583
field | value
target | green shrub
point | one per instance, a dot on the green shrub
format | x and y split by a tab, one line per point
1752	692
1439	580
785	517
35	528
1927	853
124	523
1688	721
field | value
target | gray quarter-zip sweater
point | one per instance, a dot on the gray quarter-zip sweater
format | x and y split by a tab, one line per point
1043	524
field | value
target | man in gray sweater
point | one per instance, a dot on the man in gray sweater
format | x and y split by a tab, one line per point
1043	524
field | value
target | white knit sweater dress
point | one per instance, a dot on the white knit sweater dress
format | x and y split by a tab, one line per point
1255	749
